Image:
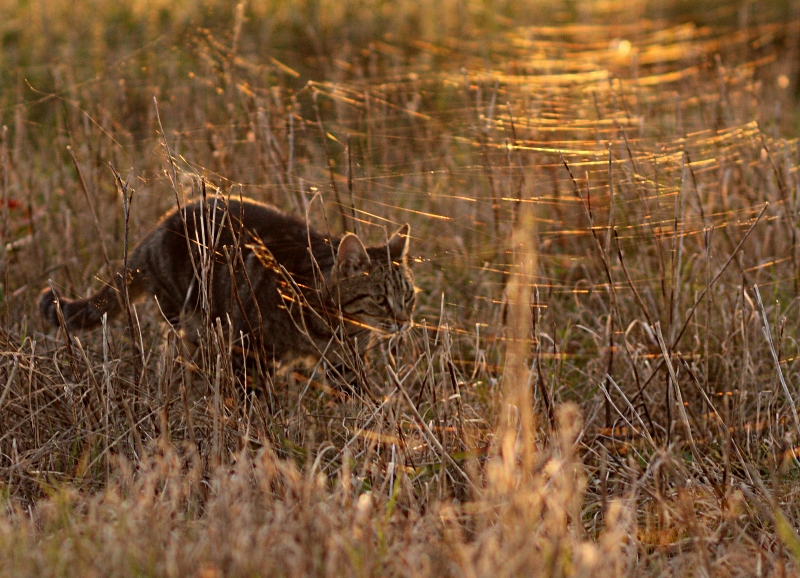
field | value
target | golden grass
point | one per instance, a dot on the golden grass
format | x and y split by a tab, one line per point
595	193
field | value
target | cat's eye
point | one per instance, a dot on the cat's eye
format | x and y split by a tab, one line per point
383	301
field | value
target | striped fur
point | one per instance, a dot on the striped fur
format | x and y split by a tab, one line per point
288	290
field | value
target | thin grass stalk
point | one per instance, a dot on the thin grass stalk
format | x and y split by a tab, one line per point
776	359
516	431
127	198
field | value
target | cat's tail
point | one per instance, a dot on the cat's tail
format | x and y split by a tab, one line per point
88	313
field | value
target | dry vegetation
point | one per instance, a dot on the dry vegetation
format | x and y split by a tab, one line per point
604	203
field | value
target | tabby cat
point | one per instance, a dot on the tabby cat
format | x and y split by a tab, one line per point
286	289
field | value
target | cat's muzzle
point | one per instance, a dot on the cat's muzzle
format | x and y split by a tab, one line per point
397	327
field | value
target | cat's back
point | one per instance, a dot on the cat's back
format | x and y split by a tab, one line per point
247	222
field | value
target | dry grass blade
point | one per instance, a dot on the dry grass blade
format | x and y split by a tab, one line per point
431	437
553	410
768	336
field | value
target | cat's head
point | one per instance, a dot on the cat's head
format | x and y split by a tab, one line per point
374	284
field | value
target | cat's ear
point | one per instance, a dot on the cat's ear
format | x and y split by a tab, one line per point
398	244
351	257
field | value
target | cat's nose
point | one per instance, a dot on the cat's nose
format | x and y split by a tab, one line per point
401	317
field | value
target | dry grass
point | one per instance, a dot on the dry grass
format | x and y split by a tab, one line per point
594	386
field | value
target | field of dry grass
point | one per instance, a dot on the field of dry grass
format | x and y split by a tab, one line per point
604	371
